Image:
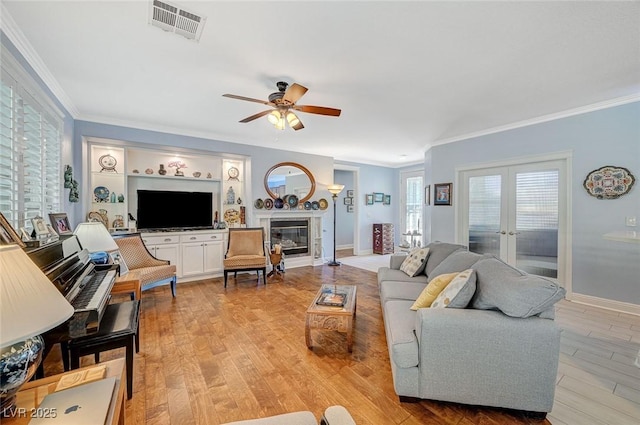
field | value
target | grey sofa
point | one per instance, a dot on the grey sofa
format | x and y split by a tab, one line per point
501	350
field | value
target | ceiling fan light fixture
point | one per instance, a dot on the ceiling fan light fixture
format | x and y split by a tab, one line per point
274	117
292	119
280	124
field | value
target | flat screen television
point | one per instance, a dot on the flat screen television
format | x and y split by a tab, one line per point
164	209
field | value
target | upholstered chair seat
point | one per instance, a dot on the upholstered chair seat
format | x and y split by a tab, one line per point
153	271
245	252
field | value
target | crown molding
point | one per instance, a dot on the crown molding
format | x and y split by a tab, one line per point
15	35
544	118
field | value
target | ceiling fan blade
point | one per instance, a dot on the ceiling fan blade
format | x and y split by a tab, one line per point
298	126
322	110
248	99
294	92
256	116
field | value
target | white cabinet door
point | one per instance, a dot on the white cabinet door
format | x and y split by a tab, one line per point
213	257
168	252
192	258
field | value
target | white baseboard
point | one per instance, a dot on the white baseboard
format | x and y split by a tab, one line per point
365	252
348	246
613	305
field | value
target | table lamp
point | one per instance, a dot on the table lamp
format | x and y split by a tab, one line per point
96	239
30	305
334	189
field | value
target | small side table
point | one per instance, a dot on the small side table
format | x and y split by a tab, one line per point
276	262
128	283
31	394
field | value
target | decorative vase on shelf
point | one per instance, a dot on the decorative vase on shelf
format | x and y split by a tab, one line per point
121	198
113	197
162	170
231	196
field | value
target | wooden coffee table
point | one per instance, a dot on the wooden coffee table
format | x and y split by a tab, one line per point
332	318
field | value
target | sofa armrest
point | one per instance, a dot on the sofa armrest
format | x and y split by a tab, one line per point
487	358
396	260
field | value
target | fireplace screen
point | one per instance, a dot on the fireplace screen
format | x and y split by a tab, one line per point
293	235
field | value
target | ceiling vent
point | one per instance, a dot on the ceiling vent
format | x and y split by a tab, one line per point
173	18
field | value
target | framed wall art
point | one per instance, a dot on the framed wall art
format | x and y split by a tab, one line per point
442	193
348	201
60	223
378	197
609	182
349	208
369	199
427	194
350	193
386	200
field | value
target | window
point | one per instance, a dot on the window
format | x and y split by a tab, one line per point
411	213
30	147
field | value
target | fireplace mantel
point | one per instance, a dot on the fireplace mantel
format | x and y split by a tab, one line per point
316	257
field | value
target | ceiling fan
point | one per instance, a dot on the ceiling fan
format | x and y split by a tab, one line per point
283	103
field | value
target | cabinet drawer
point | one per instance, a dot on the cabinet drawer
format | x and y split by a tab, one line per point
160	239
202	237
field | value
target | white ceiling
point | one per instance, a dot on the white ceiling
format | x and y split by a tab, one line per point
407	75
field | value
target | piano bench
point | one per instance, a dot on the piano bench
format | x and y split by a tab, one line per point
118	328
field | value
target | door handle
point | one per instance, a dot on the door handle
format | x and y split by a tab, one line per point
502	232
514	233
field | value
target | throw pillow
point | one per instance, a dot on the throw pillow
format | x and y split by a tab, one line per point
512	291
431	291
414	264
458	293
438	252
456	262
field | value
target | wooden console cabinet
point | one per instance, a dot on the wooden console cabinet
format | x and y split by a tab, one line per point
383	238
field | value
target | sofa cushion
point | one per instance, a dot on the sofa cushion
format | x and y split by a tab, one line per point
415	262
438	251
456	262
431	291
385	273
458	292
401	337
515	293
391	290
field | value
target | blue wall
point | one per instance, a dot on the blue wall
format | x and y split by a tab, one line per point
345	221
601	268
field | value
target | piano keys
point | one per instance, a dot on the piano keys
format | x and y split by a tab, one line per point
70	269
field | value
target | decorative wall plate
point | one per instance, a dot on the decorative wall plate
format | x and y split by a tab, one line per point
268	203
258	204
101	193
292	200
315	205
232	216
609	182
278	203
307	205
323	203
108	163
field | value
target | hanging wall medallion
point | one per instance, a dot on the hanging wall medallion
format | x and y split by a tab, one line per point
609	182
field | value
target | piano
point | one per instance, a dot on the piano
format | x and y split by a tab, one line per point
86	286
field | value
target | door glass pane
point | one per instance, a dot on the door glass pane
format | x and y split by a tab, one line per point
484	214
537	222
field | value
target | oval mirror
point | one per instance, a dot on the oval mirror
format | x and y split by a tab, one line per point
289	178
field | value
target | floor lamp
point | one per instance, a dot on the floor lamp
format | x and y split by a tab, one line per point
334	189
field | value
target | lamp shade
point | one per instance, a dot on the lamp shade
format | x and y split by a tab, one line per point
30	303
335	188
94	237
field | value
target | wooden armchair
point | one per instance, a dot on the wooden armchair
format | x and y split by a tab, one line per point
153	272
245	251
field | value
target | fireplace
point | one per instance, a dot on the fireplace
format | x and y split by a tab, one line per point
292	235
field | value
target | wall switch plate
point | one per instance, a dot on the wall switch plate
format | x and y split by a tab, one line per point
630	221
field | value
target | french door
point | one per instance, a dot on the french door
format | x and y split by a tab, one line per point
518	213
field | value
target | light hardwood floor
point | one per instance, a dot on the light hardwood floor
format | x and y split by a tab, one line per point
212	355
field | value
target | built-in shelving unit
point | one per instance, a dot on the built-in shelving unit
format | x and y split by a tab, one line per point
119	169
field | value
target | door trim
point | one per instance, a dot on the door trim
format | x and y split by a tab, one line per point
567	158
356	190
